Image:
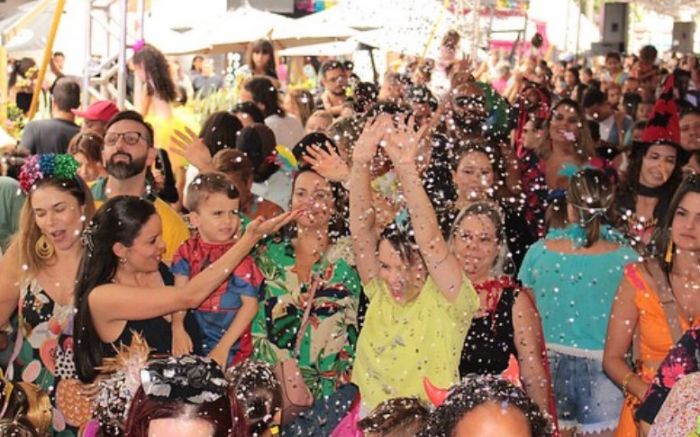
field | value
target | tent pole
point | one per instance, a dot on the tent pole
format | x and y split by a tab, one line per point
375	74
121	72
88	53
47	57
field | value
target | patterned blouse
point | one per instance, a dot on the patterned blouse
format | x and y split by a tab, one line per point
682	360
327	347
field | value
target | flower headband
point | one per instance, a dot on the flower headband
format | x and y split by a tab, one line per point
53	165
188	378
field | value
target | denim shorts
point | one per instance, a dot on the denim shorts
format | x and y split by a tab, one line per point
586	398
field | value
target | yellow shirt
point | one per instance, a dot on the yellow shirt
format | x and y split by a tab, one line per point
175	230
164	128
399	345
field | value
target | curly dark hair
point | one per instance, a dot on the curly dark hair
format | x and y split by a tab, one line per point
476	390
263	91
159	80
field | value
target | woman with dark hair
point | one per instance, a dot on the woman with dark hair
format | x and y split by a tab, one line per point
37	281
262	91
310	262
248	113
153	69
272	170
22	79
487	405
182	396
272	165
657	300
220	131
653	174
260	60
567	145
478	174
122	258
507	325
574	273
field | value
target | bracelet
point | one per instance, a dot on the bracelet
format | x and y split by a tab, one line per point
626	381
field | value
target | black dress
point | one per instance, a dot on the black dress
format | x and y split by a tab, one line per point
491	339
156	331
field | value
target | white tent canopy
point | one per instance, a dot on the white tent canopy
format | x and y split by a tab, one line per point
237	27
416	26
172	42
339	48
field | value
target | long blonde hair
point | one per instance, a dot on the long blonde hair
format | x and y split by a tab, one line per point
29	232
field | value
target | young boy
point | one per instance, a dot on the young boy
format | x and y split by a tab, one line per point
225	316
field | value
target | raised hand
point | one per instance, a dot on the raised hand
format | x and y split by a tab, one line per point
374	131
188	145
259	228
327	163
402	144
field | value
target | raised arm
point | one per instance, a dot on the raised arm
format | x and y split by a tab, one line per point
402	147
364	236
115	302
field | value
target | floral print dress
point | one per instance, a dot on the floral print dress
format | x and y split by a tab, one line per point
45	358
682	360
327	346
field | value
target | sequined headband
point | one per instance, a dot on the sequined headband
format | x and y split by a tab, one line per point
54	165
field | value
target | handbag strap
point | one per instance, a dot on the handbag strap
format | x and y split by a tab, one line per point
668	300
307	313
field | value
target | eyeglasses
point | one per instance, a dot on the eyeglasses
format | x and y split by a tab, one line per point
130	138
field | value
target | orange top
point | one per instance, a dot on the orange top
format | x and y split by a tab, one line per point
655	338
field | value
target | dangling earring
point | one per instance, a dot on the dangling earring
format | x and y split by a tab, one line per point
43	248
669	252
122	260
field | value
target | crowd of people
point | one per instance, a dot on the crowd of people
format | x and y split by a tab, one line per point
457	251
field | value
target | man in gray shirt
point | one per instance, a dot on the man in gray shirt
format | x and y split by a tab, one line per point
54	134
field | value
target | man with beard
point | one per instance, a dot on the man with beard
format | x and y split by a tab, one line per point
334	79
462	118
128	153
